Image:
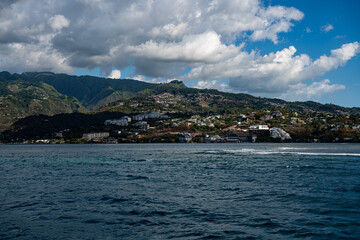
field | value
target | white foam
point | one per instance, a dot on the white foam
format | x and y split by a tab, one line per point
244	150
292	148
268	152
276	151
328	154
212	152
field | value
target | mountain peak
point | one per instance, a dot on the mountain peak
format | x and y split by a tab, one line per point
177	82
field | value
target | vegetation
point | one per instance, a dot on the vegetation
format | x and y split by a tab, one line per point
91	91
19	99
36	103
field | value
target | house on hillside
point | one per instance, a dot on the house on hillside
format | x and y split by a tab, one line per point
259	127
98	135
276	114
185	137
266	118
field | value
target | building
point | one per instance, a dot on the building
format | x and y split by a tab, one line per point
143	125
247	138
276	114
124	121
232	138
116	133
259	127
90	136
356	127
152	115
266	118
185	137
58	134
212	138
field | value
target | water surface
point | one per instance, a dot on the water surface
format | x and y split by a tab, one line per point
180	191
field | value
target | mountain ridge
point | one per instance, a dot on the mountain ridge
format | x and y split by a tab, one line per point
51	94
89	90
20	98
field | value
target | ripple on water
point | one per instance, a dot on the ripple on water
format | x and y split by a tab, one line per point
187	191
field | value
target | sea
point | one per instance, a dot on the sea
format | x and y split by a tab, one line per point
180	191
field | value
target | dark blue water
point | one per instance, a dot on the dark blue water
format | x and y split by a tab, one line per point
180	191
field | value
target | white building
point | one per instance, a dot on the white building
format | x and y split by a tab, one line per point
124	121
152	115
89	136
259	127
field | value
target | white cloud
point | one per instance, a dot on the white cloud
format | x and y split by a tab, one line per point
139	78
162	39
283	22
213	84
115	74
58	22
308	30
315	90
151	80
340	36
337	58
90	34
33	57
327	28
273	72
205	47
170	31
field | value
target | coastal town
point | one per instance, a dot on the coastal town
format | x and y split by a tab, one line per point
173	113
174	127
167	124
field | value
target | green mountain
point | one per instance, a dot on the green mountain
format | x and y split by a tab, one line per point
92	92
176	97
28	94
20	98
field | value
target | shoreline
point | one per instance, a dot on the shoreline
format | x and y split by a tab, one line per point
175	143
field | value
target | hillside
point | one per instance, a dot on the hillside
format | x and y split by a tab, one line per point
28	94
176	97
101	94
92	92
19	99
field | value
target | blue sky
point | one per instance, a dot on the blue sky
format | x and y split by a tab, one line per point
290	49
345	18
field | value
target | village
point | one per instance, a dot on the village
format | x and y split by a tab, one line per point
202	118
256	126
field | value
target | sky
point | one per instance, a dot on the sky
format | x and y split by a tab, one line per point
296	50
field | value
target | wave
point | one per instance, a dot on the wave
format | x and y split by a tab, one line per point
295	148
278	151
328	154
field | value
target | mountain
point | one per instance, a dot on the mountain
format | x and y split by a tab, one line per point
20	98
175	96
92	92
27	94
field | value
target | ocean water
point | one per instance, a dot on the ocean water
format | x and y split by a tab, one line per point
180	191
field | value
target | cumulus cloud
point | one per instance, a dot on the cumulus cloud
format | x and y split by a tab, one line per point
161	39
327	28
315	90
283	18
115	74
213	84
58	22
106	34
205	47
273	72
